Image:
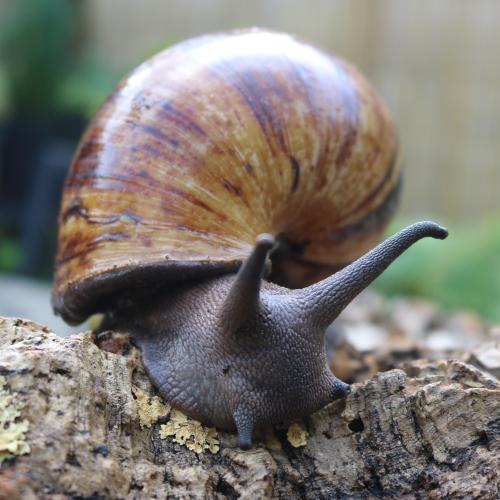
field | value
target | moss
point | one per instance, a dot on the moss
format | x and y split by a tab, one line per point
12	430
190	433
149	408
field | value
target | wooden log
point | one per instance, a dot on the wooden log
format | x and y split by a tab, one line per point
427	430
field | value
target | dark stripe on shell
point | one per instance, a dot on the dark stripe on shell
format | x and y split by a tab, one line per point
157	134
232	188
169	112
71	243
256	94
92	146
378	188
295	173
75	209
373	221
350	122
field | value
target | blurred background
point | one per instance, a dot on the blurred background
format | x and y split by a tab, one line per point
436	64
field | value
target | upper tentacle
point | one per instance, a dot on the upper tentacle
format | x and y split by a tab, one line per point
242	304
324	301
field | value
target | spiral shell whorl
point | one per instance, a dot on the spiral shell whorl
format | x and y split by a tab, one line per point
211	143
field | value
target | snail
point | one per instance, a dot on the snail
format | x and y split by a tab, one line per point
212	210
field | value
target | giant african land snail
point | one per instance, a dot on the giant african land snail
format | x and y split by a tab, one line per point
216	146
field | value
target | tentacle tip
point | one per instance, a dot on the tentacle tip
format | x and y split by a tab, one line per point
441	233
265	241
245	443
436	231
244	422
341	389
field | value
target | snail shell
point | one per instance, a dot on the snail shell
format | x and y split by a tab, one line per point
211	143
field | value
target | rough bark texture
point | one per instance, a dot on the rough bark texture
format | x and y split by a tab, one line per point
425	430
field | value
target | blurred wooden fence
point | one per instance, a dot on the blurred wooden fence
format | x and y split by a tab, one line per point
436	62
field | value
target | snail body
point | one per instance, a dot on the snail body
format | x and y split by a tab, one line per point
246	147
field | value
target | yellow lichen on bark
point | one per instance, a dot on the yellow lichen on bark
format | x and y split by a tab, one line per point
12	432
149	408
297	435
190	433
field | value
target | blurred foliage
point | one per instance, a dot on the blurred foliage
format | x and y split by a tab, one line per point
10	253
37	48
85	89
43	65
461	272
3	91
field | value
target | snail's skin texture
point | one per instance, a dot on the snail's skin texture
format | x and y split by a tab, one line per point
238	352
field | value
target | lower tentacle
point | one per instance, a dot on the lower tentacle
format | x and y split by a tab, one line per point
244	421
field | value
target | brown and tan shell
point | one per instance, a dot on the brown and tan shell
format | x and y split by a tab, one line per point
209	144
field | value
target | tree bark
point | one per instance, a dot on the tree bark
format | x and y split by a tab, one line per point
425	430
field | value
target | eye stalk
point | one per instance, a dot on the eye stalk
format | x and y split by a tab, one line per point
242	304
325	300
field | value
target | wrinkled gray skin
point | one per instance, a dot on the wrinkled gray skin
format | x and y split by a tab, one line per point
237	351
